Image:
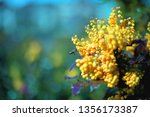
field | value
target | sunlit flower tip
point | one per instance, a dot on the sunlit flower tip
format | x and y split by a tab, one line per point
112	19
119	16
78	62
119	12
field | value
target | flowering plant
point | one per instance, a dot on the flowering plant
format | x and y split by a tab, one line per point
114	53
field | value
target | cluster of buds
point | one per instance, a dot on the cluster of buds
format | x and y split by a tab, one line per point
132	78
122	94
98	59
147	36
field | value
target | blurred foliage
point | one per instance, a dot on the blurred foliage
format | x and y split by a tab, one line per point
35	40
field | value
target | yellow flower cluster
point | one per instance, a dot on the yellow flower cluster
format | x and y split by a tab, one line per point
132	79
148	26
97	51
117	97
97	63
131	49
122	94
120	32
147	36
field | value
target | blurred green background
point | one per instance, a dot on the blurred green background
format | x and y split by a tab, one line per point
35	40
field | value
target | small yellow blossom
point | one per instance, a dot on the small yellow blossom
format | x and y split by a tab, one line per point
132	79
131	49
147	36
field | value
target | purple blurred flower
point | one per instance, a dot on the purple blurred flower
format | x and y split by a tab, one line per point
76	88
